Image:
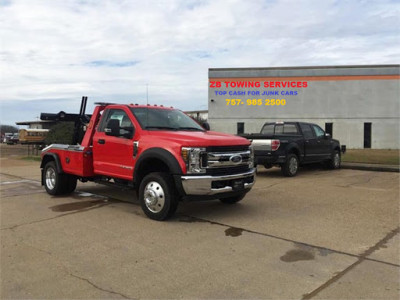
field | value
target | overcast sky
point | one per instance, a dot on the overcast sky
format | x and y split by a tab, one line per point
53	52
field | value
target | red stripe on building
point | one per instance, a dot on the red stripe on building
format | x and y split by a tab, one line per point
309	78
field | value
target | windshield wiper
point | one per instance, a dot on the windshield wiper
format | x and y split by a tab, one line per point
190	128
161	127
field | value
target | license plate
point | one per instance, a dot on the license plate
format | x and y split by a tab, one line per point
238	184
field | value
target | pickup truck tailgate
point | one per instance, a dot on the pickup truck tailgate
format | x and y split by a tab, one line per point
262	145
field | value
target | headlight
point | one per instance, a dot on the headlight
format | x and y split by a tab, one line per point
251	161
192	158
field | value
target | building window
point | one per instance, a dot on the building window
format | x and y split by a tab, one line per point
329	128
240	128
367	135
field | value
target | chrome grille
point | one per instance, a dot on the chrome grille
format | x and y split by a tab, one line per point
223	160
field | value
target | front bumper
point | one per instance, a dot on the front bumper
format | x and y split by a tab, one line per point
212	185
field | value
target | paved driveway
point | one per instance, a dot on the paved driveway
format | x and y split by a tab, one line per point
323	234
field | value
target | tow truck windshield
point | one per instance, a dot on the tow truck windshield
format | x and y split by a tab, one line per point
164	119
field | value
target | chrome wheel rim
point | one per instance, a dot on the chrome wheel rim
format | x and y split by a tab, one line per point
50	178
293	165
336	160
154	197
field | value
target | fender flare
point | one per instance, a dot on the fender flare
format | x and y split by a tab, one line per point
157	153
56	158
292	146
335	145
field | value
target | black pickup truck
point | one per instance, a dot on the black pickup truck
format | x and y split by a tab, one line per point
291	144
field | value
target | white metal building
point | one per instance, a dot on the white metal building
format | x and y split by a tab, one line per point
359	105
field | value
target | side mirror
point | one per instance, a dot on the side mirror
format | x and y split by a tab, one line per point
327	136
112	127
128	132
206	126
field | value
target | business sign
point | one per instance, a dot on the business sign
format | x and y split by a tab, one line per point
256	93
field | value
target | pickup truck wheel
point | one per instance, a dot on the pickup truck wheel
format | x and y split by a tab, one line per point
158	196
335	162
55	183
291	166
234	199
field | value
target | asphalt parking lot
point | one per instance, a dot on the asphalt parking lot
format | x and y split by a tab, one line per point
322	235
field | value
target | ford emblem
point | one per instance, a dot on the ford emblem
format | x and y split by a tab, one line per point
236	159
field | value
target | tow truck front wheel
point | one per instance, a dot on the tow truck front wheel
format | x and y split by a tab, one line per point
158	196
56	183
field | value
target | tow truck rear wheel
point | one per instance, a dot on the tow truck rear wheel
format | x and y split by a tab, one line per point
233	200
70	185
56	183
158	196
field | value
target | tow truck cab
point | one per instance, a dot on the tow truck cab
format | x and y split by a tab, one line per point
161	152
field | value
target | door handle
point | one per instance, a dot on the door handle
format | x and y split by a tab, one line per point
101	141
135	148
307	141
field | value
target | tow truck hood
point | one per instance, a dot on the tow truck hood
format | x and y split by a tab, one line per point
198	138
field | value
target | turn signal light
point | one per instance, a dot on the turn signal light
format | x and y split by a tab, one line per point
185	154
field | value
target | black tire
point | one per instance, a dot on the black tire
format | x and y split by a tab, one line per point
158	196
55	183
70	185
233	199
335	161
291	166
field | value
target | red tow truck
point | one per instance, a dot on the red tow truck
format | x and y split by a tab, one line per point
161	152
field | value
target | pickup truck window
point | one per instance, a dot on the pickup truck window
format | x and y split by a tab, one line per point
318	131
290	129
164	119
268	129
286	129
307	131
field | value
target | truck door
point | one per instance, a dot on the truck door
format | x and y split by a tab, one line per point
324	144
310	143
113	154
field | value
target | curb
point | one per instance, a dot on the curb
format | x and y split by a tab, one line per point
369	167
